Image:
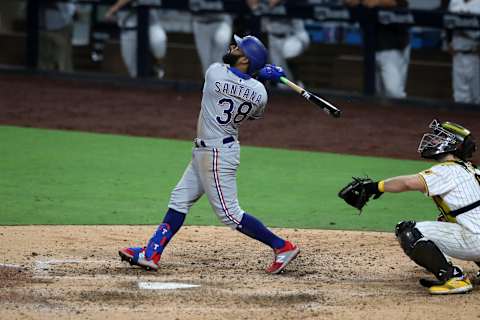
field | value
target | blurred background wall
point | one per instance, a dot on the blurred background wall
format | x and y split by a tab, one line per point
334	59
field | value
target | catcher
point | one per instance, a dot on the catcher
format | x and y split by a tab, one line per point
454	186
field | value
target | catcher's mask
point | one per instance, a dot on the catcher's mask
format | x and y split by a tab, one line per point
447	137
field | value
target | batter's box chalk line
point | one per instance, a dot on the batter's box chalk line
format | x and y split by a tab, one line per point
10	266
165	285
43	266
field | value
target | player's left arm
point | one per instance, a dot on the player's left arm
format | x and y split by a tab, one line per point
258	114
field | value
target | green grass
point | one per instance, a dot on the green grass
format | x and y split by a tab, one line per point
57	177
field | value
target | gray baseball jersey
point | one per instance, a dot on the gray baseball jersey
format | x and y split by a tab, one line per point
229	98
453	186
465	40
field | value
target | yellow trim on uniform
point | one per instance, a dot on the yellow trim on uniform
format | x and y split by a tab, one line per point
424	183
426	171
381	186
440	203
444	208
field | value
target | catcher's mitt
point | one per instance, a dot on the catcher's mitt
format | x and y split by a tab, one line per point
359	191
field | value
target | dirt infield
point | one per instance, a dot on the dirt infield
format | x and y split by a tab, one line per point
52	272
74	272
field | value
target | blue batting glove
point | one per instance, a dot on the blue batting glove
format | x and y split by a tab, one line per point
271	72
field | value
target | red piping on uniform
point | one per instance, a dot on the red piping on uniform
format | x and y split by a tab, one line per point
219	189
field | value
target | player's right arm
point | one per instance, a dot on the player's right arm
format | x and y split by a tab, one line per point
432	182
413	182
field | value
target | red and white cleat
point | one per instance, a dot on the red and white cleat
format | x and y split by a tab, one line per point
136	256
283	257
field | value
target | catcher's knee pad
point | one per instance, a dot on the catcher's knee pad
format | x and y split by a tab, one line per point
407	235
422	251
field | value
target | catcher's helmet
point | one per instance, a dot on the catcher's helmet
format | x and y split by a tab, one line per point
254	50
447	137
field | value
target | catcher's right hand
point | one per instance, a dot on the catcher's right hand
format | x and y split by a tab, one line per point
359	191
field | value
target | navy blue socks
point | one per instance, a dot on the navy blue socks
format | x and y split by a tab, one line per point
255	229
174	219
172	222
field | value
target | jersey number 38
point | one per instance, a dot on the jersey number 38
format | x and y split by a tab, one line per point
238	114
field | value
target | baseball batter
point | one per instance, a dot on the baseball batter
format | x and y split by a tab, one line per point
454	185
466	59
230	96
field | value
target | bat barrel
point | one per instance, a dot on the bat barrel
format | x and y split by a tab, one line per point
322	103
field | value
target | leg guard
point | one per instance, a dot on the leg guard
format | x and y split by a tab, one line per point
157	242
422	251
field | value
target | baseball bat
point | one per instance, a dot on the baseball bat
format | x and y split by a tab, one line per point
322	103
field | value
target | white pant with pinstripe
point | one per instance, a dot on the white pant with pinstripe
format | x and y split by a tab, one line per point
391	72
466	78
452	239
212	171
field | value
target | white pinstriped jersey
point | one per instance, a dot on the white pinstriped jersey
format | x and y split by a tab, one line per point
463	6
465	40
455	187
229	97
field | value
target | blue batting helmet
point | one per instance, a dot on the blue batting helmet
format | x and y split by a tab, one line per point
254	50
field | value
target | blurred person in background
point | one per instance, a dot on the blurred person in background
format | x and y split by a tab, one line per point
392	55
212	32
12	15
464	47
248	20
56	27
425	4
127	22
287	37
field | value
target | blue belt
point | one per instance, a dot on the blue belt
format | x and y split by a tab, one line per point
200	143
228	140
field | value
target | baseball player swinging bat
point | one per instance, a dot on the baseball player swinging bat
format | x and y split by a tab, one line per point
325	105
